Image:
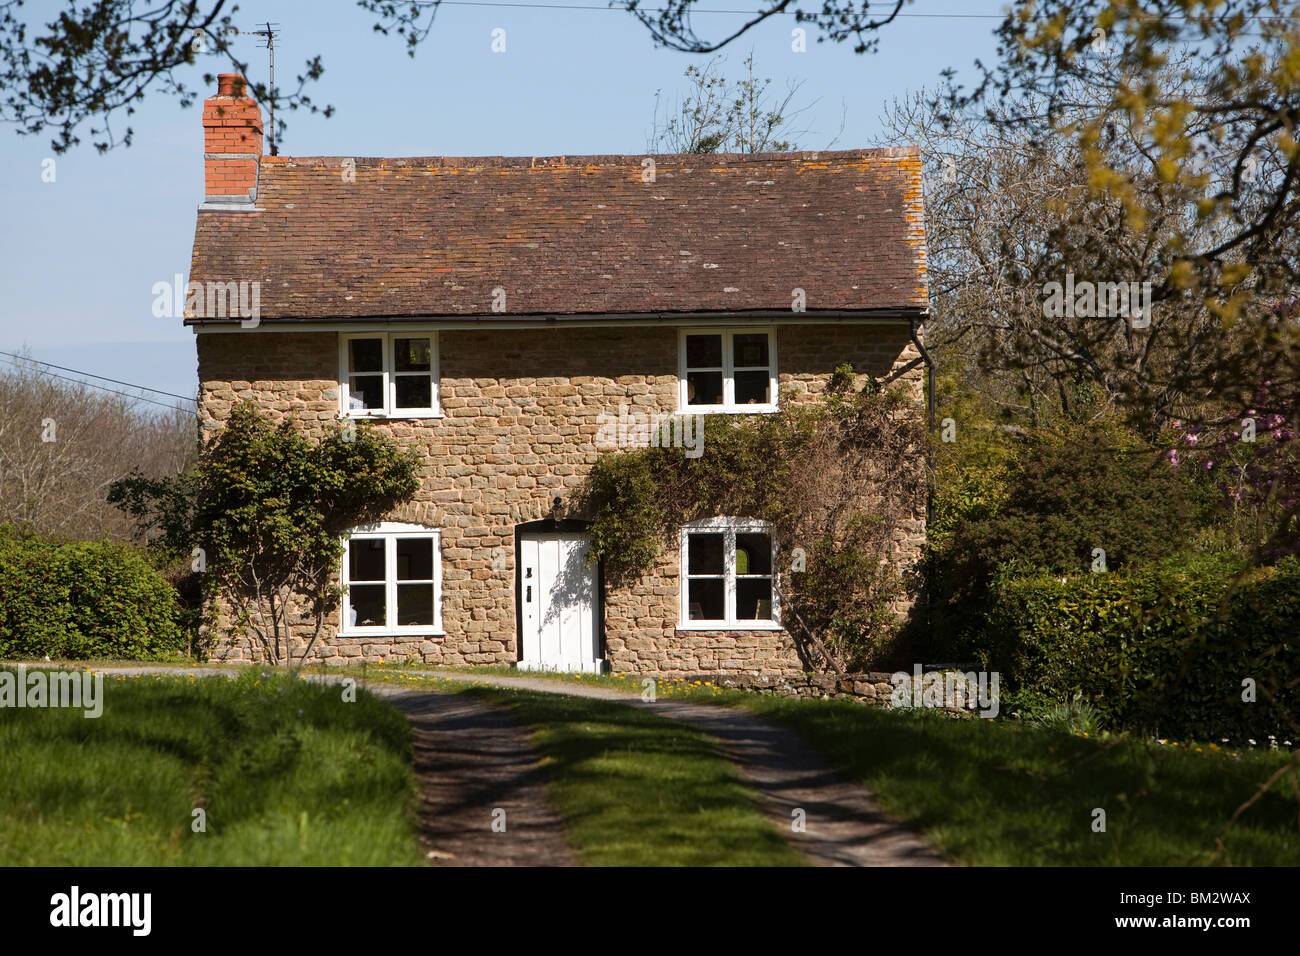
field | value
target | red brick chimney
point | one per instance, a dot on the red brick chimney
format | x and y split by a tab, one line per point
232	141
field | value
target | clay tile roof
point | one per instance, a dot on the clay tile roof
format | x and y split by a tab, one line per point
575	235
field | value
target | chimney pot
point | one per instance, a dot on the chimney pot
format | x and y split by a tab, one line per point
230	84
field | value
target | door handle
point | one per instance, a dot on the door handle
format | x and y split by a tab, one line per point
528	594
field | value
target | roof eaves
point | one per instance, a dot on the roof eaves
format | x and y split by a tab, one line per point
782	316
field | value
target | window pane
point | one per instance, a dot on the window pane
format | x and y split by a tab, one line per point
366	605
411	355
366	559
703	388
753	553
415	604
414	559
753	388
366	391
366	355
706	600
751	350
754	599
704	351
704	553
414	391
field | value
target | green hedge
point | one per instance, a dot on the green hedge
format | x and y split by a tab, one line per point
84	600
1159	650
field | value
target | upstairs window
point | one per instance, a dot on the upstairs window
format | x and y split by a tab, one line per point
727	575
727	370
393	579
389	375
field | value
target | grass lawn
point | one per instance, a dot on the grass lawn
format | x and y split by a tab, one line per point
1001	792
287	772
640	790
998	792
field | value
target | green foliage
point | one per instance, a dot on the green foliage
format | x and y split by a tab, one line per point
84	600
286	773
810	470
641	497
630	784
630	519
1043	504
268	506
1075	716
1068	496
1160	649
163	509
273	506
828	603
1006	793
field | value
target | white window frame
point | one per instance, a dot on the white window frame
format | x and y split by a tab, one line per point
729	528
389	532
728	406
390	409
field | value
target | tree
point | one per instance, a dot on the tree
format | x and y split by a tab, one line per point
720	116
62	444
1012	215
1109	150
98	60
838	20
269	511
1211	110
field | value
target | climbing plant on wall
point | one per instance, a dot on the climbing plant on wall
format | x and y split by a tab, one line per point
840	479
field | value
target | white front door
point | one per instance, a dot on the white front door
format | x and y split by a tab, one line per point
557	600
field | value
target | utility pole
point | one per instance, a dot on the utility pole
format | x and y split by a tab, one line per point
268	34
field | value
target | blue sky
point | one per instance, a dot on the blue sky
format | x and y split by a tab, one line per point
79	256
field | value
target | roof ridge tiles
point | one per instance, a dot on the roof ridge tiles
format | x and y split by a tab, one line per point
606	159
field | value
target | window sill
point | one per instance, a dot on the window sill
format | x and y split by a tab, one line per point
421	416
732	626
390	632
728	410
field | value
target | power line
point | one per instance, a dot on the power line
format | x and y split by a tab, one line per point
102	378
102	388
751	12
578	6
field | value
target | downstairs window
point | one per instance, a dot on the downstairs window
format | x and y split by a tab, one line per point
392	575
727	575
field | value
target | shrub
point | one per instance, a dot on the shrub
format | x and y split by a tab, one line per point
84	600
1075	715
1162	650
269	505
1044	510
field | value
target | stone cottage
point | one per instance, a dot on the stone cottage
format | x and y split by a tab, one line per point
498	313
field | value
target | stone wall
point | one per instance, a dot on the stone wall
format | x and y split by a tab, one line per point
875	688
521	413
